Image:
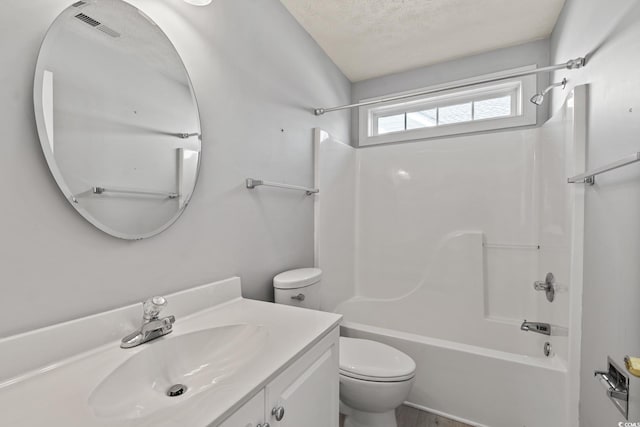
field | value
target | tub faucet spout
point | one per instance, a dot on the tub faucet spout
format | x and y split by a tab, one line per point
540	328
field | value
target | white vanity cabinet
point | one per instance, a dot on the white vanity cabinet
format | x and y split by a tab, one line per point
304	394
307	393
251	414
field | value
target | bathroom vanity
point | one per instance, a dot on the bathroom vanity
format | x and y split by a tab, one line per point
228	362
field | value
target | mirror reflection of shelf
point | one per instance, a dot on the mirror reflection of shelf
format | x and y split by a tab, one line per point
187	135
133	192
510	246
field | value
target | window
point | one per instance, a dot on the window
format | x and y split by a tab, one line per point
479	108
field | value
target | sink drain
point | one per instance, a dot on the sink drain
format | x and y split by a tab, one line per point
177	390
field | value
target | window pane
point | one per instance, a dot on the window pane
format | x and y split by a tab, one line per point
492	108
390	124
455	114
422	119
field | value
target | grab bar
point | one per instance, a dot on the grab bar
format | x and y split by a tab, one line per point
589	177
253	183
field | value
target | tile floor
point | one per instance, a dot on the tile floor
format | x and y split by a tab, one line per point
410	417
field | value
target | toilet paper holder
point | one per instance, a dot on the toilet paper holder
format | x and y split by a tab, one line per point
616	383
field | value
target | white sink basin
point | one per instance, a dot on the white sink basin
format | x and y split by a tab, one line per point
198	360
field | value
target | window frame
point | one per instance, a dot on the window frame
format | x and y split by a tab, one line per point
524	113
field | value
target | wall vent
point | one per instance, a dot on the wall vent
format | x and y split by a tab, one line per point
97	25
87	20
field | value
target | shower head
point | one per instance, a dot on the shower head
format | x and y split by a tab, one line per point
538	98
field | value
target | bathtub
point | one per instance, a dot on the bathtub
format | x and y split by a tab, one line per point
473	367
478	386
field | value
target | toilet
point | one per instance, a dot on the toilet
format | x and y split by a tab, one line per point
374	378
299	287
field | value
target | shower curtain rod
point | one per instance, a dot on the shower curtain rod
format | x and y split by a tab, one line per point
572	64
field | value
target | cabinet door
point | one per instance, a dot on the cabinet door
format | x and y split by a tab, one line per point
308	391
251	414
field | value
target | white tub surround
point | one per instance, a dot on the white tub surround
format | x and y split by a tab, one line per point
449	236
56	376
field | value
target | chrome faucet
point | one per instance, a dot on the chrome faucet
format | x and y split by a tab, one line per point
540	328
152	326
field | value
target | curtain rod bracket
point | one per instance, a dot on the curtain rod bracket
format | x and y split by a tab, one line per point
574	64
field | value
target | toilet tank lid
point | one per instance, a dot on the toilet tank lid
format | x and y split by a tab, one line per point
298	278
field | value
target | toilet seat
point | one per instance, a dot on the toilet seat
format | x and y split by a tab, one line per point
373	361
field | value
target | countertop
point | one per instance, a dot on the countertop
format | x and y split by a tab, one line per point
58	395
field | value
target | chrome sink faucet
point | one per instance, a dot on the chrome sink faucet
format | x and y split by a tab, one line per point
541	328
152	325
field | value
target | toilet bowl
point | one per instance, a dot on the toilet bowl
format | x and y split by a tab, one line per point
374	378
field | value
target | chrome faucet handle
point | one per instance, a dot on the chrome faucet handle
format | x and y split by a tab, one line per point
548	286
152	325
164	325
152	307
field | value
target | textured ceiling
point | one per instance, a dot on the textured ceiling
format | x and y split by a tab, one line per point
371	38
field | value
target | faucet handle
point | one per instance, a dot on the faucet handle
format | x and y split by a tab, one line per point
548	286
152	307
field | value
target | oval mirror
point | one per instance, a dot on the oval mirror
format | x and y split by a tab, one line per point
117	118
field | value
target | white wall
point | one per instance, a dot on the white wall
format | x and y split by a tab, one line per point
256	75
536	52
610	32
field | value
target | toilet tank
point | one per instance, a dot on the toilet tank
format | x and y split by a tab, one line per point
300	287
